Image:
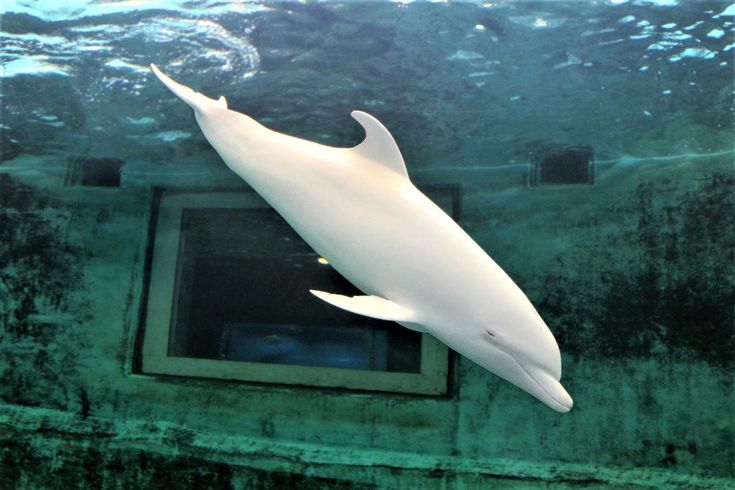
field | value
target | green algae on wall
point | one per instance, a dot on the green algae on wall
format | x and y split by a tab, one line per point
661	285
42	312
49	449
666	414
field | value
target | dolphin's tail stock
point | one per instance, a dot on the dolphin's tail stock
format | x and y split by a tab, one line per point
200	103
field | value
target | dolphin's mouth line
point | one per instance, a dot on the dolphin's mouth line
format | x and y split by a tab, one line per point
531	376
540	385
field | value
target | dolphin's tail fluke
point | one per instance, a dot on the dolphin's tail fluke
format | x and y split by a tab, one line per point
200	103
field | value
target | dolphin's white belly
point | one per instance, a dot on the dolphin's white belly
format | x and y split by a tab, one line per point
358	208
383	235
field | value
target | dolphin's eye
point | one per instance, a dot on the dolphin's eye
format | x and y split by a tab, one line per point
489	332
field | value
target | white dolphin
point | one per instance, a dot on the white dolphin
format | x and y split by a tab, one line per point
357	208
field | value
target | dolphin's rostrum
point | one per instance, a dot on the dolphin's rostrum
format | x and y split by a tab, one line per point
357	208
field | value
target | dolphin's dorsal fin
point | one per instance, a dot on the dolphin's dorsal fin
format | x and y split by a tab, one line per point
372	306
222	102
378	146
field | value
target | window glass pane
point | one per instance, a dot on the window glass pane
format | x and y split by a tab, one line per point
242	294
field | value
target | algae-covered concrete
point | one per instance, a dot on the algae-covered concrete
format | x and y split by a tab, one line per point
633	273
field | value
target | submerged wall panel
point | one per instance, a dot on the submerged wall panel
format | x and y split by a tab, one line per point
640	402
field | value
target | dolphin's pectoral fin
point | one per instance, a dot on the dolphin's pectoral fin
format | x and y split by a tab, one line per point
378	146
372	306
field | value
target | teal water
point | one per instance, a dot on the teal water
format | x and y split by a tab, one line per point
586	146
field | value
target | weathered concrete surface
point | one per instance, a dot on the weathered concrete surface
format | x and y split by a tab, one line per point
101	453
649	410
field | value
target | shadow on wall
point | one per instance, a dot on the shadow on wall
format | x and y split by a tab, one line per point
663	286
41	309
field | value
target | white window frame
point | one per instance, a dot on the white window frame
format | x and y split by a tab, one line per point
430	380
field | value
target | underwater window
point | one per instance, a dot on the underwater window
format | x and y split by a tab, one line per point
229	298
563	165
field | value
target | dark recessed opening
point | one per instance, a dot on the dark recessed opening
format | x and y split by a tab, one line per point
563	165
243	296
95	172
228	298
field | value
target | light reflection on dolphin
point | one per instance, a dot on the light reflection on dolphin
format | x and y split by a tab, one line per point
357	208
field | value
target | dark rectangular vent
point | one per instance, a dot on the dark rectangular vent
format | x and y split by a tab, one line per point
95	172
563	165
